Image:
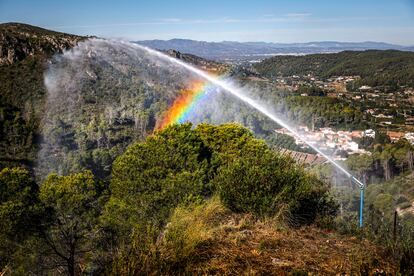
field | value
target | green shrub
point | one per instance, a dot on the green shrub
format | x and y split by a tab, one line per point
383	202
151	178
180	165
401	199
18	213
262	181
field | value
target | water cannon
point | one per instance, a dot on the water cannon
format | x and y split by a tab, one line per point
358	182
361	202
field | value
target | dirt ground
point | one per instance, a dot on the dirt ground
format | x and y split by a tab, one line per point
245	247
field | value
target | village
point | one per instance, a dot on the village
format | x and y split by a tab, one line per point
391	111
339	143
388	106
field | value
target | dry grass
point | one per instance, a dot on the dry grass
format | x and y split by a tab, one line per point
190	229
249	247
208	239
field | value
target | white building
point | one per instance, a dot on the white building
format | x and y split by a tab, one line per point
410	137
369	133
365	87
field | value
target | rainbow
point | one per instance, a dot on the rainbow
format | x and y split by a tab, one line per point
185	104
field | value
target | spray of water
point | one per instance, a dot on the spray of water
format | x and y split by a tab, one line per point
237	92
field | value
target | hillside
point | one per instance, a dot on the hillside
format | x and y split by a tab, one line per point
111	117
18	41
24	52
376	68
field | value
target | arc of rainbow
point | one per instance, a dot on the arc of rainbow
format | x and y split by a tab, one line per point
185	104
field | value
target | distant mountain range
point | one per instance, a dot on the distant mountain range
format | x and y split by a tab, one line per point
249	51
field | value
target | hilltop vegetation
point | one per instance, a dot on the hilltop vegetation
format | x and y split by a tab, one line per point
159	188
376	68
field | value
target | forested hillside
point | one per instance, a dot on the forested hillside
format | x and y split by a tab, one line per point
376	68
24	52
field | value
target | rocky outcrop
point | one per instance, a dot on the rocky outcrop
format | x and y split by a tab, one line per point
18	41
204	64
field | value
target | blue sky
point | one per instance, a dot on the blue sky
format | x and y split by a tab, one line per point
253	20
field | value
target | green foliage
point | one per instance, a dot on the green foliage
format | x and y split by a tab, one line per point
73	204
19	122
376	68
360	164
311	90
228	138
324	112
152	177
22	88
284	141
18	215
383	202
263	182
180	164
385	162
387	196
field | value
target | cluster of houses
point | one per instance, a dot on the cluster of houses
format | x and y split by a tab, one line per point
336	143
391	111
388	109
330	141
397	135
337	84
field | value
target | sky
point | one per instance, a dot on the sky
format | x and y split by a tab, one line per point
217	20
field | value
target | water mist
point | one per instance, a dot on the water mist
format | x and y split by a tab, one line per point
128	65
237	92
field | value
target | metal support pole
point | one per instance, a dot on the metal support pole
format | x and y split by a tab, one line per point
361	207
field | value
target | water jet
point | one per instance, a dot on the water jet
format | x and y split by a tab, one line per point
249	101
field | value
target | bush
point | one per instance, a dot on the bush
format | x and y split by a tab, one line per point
151	178
180	165
383	202
262	181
